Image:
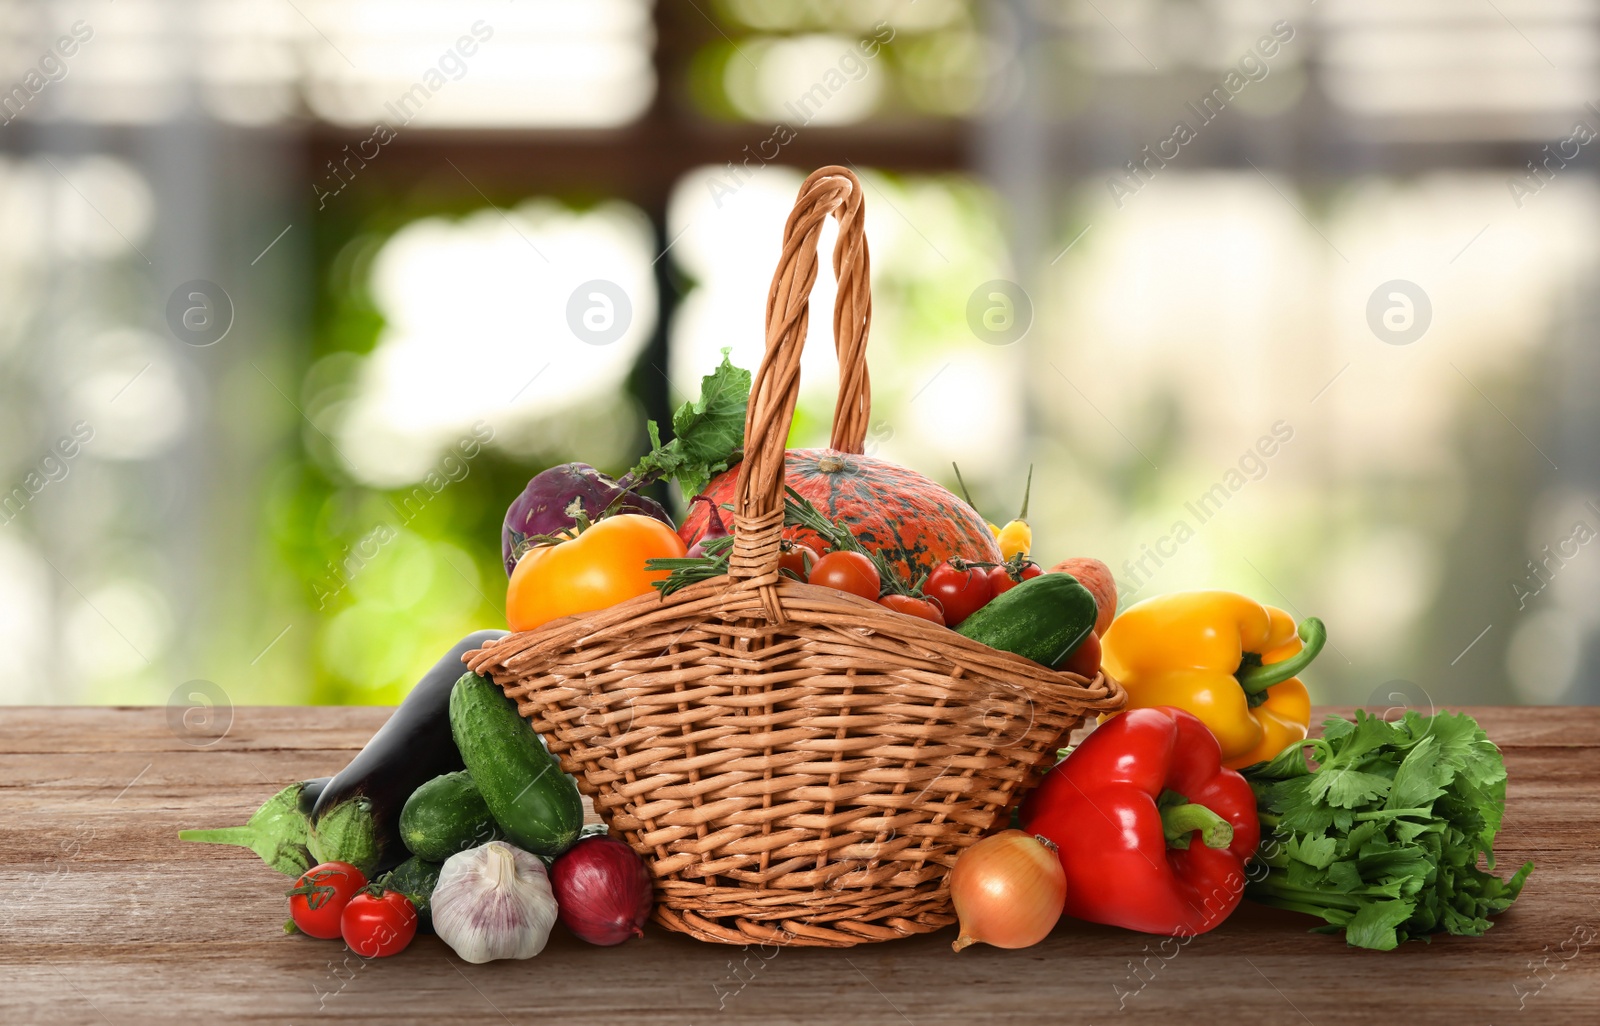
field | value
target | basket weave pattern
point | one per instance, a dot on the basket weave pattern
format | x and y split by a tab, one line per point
797	765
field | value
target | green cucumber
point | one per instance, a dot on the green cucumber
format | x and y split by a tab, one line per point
1044	618
444	816
415	878
535	804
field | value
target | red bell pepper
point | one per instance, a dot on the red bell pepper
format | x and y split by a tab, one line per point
1123	810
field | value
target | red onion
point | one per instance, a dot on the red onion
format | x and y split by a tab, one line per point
715	528
603	890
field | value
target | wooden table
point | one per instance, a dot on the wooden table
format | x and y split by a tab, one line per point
106	917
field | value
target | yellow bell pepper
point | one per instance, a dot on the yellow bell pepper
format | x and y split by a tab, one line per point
1224	657
1016	538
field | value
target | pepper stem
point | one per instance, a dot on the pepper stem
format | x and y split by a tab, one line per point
1256	679
964	493
1182	818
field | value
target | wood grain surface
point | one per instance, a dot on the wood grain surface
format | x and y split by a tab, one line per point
106	917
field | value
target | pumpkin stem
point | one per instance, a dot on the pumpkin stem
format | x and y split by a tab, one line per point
1027	490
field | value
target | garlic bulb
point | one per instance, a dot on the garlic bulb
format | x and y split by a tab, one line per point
494	902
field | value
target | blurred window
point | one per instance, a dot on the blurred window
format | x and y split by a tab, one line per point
425	63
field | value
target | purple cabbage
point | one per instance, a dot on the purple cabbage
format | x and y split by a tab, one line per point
541	509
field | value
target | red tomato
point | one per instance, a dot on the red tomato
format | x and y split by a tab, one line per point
913	607
318	898
796	558
379	925
847	571
1085	659
960	593
1001	581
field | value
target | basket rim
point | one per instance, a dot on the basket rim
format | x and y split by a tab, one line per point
523	653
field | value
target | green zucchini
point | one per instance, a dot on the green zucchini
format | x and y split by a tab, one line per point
1044	618
532	801
444	816
415	878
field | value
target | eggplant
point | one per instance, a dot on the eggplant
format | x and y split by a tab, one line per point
279	831
310	791
356	818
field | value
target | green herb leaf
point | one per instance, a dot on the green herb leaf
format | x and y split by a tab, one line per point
1374	925
708	433
1420	778
1347	788
1313	851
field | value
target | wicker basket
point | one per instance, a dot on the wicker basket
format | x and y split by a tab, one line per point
797	765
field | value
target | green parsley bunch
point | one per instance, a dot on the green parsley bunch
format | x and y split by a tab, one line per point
1382	838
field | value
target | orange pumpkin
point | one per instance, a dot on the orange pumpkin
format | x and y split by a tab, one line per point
913	521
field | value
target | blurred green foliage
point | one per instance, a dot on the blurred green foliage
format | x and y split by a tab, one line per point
385	579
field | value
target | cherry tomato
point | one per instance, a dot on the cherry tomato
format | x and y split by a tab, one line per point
375	925
600	567
1085	659
1001	581
847	571
318	898
796	558
960	593
913	606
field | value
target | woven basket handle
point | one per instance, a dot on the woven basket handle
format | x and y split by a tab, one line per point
758	501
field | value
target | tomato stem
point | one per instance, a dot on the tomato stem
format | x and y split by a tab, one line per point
317	894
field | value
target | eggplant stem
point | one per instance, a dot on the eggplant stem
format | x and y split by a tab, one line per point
243	836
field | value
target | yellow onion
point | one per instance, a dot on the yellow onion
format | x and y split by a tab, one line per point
1009	890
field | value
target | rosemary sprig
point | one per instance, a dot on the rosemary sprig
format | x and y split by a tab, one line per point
798	511
686	570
